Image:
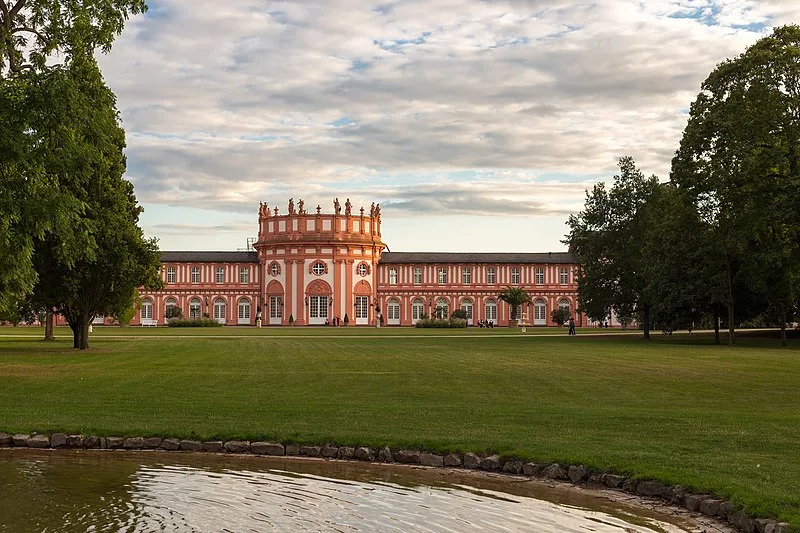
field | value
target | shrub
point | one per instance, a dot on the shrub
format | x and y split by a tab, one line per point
560	316
459	313
346	319
194	323
174	312
452	323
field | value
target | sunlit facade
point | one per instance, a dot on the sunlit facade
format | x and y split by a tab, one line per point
315	268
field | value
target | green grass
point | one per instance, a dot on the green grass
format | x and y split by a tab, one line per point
718	419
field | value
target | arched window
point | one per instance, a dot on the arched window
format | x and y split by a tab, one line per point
244	310
491	310
393	276
417	309
363	269
275	268
393	311
146	312
194	308
442	308
170	307
539	313
564	304
466	306
195	274
219	310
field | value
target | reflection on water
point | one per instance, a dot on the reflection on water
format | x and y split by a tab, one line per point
148	491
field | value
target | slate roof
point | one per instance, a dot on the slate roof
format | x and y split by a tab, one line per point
560	258
209	257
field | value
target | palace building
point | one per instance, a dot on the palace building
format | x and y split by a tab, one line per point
313	268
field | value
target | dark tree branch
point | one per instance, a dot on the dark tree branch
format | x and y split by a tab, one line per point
44	39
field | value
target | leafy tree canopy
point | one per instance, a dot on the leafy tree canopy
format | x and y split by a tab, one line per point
33	31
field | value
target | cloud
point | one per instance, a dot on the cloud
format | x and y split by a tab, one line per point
226	104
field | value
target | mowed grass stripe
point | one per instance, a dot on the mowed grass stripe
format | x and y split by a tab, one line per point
720	419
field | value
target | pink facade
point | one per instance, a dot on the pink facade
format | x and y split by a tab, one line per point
312	268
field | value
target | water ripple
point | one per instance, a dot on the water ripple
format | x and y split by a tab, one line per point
135	493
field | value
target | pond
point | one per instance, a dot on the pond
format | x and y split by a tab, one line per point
151	491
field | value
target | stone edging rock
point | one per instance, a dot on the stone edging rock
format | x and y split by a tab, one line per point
577	474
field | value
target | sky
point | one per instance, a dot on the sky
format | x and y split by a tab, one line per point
477	125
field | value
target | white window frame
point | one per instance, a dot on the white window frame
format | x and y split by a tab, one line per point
362	269
539	276
392	276
564	276
466	275
244	275
417	276
275	270
146	312
195	274
539	313
220	310
195	308
220	277
515	276
244	310
491	276
442	308
171	275
393	312
170	302
491	310
442	275
318	268
417	309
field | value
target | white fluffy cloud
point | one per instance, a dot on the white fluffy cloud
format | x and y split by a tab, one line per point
455	106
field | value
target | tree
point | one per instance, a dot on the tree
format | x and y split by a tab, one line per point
608	238
739	163
560	316
33	34
514	297
103	279
33	31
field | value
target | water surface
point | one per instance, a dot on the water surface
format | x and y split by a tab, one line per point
151	491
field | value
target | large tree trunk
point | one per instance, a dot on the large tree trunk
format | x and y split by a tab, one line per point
731	338
646	320
783	326
85	337
80	332
48	326
716	324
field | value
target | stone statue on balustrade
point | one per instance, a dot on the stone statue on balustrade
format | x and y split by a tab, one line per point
347	207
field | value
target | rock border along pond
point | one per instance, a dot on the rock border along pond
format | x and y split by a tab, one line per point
577	474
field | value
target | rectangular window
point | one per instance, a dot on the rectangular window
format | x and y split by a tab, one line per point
515	276
392	276
540	276
195	275
490	279
220	275
466	276
244	275
171	275
442	276
362	307
564	276
417	276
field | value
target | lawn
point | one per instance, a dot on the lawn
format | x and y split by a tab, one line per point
723	420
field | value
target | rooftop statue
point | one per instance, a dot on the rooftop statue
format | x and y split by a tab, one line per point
291	206
300	205
347	207
337	208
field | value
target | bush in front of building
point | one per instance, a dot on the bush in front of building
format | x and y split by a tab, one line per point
560	316
435	323
204	322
